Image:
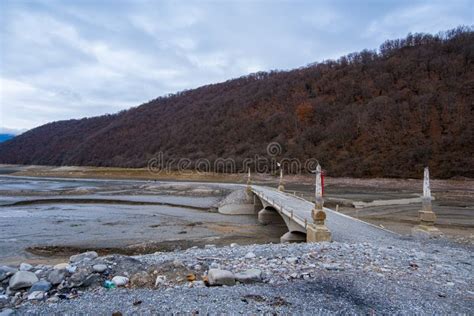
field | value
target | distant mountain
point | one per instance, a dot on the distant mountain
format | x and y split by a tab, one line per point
368	114
4	137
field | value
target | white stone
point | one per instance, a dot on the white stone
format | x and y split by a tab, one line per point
25	266
120	280
292	260
160	280
61	266
250	255
220	277
99	268
36	295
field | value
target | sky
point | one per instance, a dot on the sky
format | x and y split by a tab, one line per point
72	59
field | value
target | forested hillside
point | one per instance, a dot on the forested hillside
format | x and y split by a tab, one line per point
369	114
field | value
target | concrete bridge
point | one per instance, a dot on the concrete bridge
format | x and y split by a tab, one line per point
274	206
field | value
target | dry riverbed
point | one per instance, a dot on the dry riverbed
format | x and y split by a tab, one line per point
47	220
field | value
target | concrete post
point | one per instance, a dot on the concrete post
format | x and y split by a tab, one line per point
280	184
427	216
249	182
317	231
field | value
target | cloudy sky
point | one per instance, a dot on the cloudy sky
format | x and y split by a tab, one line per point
73	59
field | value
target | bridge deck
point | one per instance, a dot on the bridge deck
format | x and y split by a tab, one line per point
343	228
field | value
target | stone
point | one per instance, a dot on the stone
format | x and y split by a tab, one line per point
160	280
178	264
290	237
292	260
7	312
22	279
41	286
56	276
6	272
120	280
220	277
250	255
85	256
198	284
53	300
332	267
100	268
25	266
36	296
233	245
4	300
249	276
140	279
61	266
78	278
90	280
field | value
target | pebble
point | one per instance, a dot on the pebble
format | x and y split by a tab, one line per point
36	295
292	260
120	280
250	255
160	280
100	268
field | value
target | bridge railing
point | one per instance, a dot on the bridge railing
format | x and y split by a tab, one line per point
279	207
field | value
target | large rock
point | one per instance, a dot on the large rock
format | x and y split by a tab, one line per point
40	286
56	276
89	255
6	271
78	278
220	277
249	276
22	279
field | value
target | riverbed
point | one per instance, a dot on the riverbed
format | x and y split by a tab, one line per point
44	219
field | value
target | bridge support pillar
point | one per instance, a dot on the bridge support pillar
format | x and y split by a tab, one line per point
266	217
291	237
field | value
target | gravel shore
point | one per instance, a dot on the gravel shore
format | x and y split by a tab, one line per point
431	277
